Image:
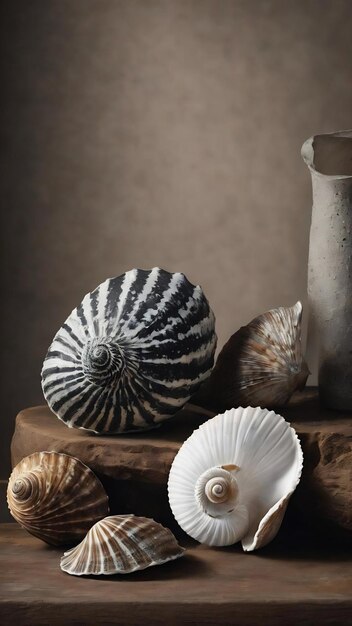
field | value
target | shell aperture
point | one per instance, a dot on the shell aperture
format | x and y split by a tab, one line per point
131	354
121	544
247	501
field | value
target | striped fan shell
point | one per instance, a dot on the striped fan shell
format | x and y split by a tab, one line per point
121	544
261	364
131	354
56	497
232	478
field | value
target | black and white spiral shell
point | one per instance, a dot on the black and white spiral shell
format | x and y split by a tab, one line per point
131	354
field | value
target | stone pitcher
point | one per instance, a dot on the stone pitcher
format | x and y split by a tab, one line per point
329	158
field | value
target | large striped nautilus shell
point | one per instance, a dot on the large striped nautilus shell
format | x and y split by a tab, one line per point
233	477
121	544
131	354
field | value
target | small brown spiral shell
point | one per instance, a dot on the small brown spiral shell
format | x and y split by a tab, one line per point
56	497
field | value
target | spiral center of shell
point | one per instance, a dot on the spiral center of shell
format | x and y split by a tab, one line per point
22	489
100	355
102	361
216	492
217	489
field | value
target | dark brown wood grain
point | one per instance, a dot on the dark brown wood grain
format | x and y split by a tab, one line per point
295	582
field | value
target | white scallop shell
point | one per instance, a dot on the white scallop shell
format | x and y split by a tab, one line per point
254	456
131	354
121	544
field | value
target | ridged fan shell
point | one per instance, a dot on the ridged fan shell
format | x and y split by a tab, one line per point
131	354
55	497
260	365
259	455
121	544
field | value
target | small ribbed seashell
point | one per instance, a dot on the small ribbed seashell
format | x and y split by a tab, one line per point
56	497
260	365
131	354
232	478
121	544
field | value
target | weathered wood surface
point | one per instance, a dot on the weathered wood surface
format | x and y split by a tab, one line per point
293	581
134	468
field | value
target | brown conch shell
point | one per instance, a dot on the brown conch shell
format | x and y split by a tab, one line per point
56	497
121	544
260	365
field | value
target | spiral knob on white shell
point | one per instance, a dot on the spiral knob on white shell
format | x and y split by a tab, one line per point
216	491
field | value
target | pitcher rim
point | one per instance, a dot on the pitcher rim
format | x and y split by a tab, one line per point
307	153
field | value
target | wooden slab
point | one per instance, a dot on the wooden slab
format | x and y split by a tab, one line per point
295	582
134	468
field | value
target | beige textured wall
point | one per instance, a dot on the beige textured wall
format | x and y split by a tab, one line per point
158	132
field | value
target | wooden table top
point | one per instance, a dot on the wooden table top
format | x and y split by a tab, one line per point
295	580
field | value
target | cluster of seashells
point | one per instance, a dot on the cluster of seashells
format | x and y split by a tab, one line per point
58	499
130	356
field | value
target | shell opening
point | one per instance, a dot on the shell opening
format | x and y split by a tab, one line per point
216	492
